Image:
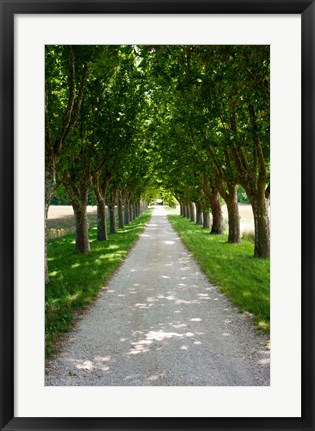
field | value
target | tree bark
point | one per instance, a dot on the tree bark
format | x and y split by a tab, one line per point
101	214
181	210
134	210
121	223
206	219
234	222
136	207
188	211
46	240
50	187
78	196
127	215
101	219
262	224
112	212
100	185
192	212
233	215
217	218
82	244
211	192
198	214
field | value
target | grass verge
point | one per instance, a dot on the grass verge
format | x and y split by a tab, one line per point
232	267
75	280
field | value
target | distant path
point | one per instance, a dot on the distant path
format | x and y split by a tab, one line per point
160	322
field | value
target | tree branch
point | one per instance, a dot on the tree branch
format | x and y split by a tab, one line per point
78	102
49	146
257	144
67	120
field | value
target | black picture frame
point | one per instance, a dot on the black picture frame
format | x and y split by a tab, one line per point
8	8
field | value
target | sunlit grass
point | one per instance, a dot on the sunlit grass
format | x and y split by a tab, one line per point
75	280
231	267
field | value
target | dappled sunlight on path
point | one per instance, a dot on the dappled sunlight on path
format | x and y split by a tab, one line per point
160	322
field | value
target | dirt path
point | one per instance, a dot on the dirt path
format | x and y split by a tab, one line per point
160	322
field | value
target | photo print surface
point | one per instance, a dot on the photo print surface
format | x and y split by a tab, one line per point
157	215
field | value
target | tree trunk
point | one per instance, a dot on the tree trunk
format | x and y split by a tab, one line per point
262	225
198	214
206	219
181	210
211	192
101	213
192	212
46	240
112	213
127	208
134	210
233	215
101	219
217	218
50	187
121	223
82	244
78	196
100	187
188	212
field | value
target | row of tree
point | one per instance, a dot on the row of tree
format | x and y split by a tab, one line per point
92	116
124	121
211	131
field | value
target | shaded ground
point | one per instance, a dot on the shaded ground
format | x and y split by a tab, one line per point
160	322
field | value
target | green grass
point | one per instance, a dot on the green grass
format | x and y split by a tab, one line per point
249	236
75	280
231	267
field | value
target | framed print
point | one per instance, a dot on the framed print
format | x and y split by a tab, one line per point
157	48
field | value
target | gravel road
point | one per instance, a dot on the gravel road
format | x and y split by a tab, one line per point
160	322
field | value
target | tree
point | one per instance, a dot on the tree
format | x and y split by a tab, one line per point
187	121
65	80
233	87
120	101
245	120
